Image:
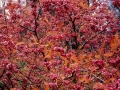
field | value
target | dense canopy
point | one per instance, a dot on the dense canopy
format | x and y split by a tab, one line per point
60	45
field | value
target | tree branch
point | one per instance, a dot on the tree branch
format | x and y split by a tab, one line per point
35	31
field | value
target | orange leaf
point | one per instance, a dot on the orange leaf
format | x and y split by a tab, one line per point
85	80
40	0
81	56
73	57
83	4
65	60
89	57
34	38
4	50
73	65
97	56
99	86
60	25
19	43
46	86
101	49
113	46
116	40
35	89
13	89
109	54
110	80
112	39
27	11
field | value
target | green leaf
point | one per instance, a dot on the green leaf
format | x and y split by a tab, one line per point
22	64
20	82
1	84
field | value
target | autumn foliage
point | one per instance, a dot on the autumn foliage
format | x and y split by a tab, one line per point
59	45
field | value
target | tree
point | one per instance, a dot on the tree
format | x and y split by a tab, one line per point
59	45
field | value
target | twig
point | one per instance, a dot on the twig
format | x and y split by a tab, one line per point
4	87
82	47
26	28
83	70
4	12
2	73
98	78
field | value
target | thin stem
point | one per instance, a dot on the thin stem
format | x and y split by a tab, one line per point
2	73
